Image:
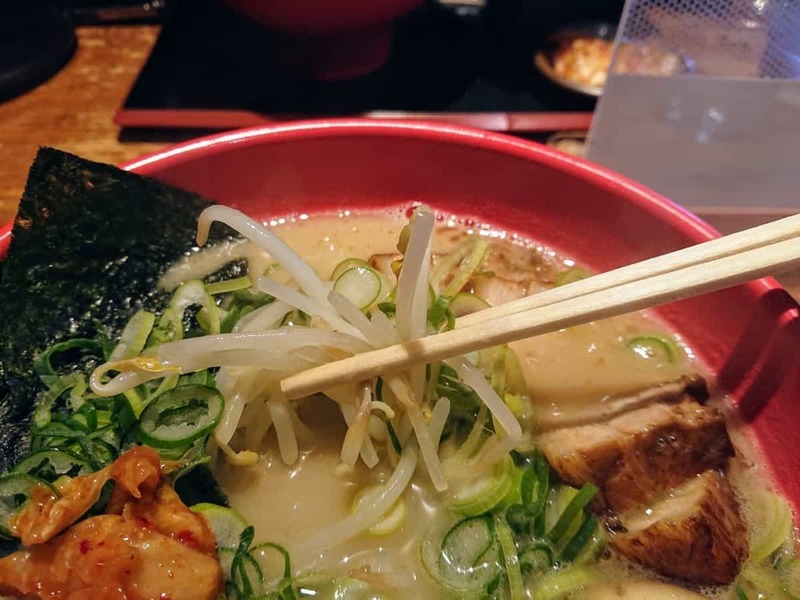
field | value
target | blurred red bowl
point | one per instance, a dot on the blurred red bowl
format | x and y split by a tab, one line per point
327	40
748	335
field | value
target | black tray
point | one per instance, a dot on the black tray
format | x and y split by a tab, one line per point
209	69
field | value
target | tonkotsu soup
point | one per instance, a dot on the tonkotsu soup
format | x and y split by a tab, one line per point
621	457
596	462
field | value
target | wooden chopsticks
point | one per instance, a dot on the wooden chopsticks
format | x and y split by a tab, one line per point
728	245
700	269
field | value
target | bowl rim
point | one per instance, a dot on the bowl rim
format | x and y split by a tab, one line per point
682	219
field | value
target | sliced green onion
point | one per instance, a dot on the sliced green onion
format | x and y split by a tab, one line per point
98	451
518	406
464	402
167	383
230	319
482	495
790	576
432	372
562	583
498	373
463	263
387	308
557	501
52	464
262	555
238	304
773	524
515	378
178	453
476	435
135	401
393	437
170	324
519	518
465	303
84	418
108	435
571	512
431	295
198	378
245	572
536	558
535	485
440	311
580	539
594	547
180	416
762	581
346	265
740	594
229	285
467	559
247	576
73	381
191	459
204	319
512	567
15	489
514	495
226	524
124	415
654	346
60	430
572	275
226	556
405	235
361	285
392	520
133	338
42	363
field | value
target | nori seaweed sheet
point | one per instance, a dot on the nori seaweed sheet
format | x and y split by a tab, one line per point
89	244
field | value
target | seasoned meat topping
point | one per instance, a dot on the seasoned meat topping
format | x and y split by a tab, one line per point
695	533
636	456
149	545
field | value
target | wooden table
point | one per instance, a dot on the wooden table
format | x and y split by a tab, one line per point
74	111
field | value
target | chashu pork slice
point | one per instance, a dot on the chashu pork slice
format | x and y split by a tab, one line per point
496	290
636	456
695	533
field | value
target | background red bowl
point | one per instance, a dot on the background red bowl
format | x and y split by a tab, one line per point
748	335
324	39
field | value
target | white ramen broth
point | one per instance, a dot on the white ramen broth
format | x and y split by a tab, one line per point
569	372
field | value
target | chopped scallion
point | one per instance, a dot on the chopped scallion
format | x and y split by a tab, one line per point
573	509
180	416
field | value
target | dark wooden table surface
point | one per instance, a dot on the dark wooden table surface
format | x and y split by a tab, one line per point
74	110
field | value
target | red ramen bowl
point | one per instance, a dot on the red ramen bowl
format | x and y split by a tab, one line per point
748	335
327	40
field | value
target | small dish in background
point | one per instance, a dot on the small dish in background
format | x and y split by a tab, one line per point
578	58
571	142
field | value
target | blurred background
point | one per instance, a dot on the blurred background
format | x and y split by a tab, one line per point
697	99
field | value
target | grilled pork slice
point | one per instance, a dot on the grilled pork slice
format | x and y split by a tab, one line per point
383	264
498	290
636	456
695	533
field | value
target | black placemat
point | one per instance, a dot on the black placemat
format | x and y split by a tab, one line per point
209	58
